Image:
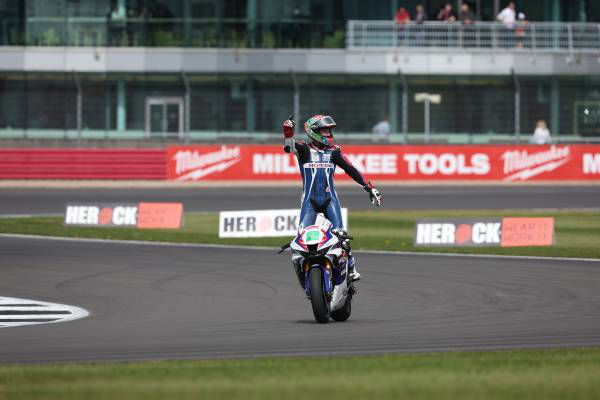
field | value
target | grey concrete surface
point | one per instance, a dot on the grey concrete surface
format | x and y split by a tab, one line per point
52	201
167	302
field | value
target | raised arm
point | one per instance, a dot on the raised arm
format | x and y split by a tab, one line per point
288	135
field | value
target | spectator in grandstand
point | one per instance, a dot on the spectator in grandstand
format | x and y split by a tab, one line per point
420	15
541	135
466	15
381	130
420	18
402	16
508	15
467	18
446	13
520	30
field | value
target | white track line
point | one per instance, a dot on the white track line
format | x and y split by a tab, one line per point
227	246
19	312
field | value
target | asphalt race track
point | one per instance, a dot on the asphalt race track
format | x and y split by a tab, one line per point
52	201
165	302
172	302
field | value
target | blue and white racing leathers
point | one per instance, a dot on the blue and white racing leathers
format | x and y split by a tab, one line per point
317	167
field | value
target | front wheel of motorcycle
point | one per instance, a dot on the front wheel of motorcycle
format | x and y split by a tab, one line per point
317	296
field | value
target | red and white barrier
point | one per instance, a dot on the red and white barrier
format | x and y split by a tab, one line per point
113	164
393	163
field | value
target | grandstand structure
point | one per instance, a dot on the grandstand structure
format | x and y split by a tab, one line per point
229	70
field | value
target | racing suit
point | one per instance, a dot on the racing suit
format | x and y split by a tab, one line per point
317	167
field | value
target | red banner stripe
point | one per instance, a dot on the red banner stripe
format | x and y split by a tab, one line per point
393	163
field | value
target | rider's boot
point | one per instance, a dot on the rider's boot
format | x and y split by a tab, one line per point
352	270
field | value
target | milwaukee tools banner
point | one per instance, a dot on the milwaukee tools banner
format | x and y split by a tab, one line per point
380	163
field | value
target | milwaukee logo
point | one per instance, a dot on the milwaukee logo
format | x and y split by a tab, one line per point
520	165
201	165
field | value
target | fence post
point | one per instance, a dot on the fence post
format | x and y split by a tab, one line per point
570	38
349	34
392	111
517	106
404	107
296	102
79	107
186	106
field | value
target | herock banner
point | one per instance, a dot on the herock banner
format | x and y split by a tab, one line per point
504	232
263	223
392	163
141	215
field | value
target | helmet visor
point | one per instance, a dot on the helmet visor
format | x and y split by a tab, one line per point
325	122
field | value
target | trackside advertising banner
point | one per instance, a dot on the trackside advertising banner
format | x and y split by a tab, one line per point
504	232
139	215
380	163
262	223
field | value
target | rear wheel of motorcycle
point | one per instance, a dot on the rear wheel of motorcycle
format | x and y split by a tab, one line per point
342	314
317	296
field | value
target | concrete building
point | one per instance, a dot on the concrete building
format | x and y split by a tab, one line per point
205	69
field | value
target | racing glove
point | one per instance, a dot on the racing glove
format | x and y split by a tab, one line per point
374	194
288	128
288	134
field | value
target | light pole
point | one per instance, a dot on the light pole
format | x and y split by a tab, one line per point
428	99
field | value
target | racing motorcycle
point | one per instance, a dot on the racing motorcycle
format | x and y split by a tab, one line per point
320	260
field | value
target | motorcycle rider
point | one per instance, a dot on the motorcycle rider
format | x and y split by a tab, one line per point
317	160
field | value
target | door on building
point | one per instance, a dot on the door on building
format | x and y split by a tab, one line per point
164	117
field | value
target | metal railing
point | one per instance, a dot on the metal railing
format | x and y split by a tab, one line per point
531	36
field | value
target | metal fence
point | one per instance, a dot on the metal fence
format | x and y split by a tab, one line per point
251	107
531	36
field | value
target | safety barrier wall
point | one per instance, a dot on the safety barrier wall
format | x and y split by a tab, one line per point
511	163
114	164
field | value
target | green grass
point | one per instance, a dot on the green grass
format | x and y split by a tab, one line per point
539	374
577	232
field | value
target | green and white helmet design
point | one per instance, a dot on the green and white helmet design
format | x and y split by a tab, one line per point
313	126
